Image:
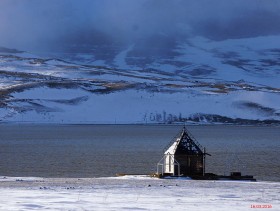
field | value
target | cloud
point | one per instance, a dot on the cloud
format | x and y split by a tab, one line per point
49	24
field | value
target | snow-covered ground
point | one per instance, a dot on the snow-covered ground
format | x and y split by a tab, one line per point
136	193
229	81
48	105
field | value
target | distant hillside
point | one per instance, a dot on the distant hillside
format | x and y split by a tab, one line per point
234	81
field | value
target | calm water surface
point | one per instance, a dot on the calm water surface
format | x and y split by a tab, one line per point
104	150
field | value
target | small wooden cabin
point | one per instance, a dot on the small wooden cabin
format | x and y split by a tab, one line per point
184	157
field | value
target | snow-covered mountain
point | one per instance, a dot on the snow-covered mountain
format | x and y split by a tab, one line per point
157	80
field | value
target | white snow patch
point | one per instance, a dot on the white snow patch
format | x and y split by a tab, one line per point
121	57
49	93
141	194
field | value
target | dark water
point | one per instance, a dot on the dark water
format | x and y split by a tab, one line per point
104	150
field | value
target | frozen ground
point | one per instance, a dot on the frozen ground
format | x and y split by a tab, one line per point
135	193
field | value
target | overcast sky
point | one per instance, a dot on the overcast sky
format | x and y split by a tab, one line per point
41	24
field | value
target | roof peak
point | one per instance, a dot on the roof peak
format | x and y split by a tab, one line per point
185	143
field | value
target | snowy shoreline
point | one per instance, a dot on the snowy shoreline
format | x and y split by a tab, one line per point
134	193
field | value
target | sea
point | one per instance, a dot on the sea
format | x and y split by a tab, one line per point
82	151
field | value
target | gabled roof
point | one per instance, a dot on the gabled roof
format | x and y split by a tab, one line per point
185	144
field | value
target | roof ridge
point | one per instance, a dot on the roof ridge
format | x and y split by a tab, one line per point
186	138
